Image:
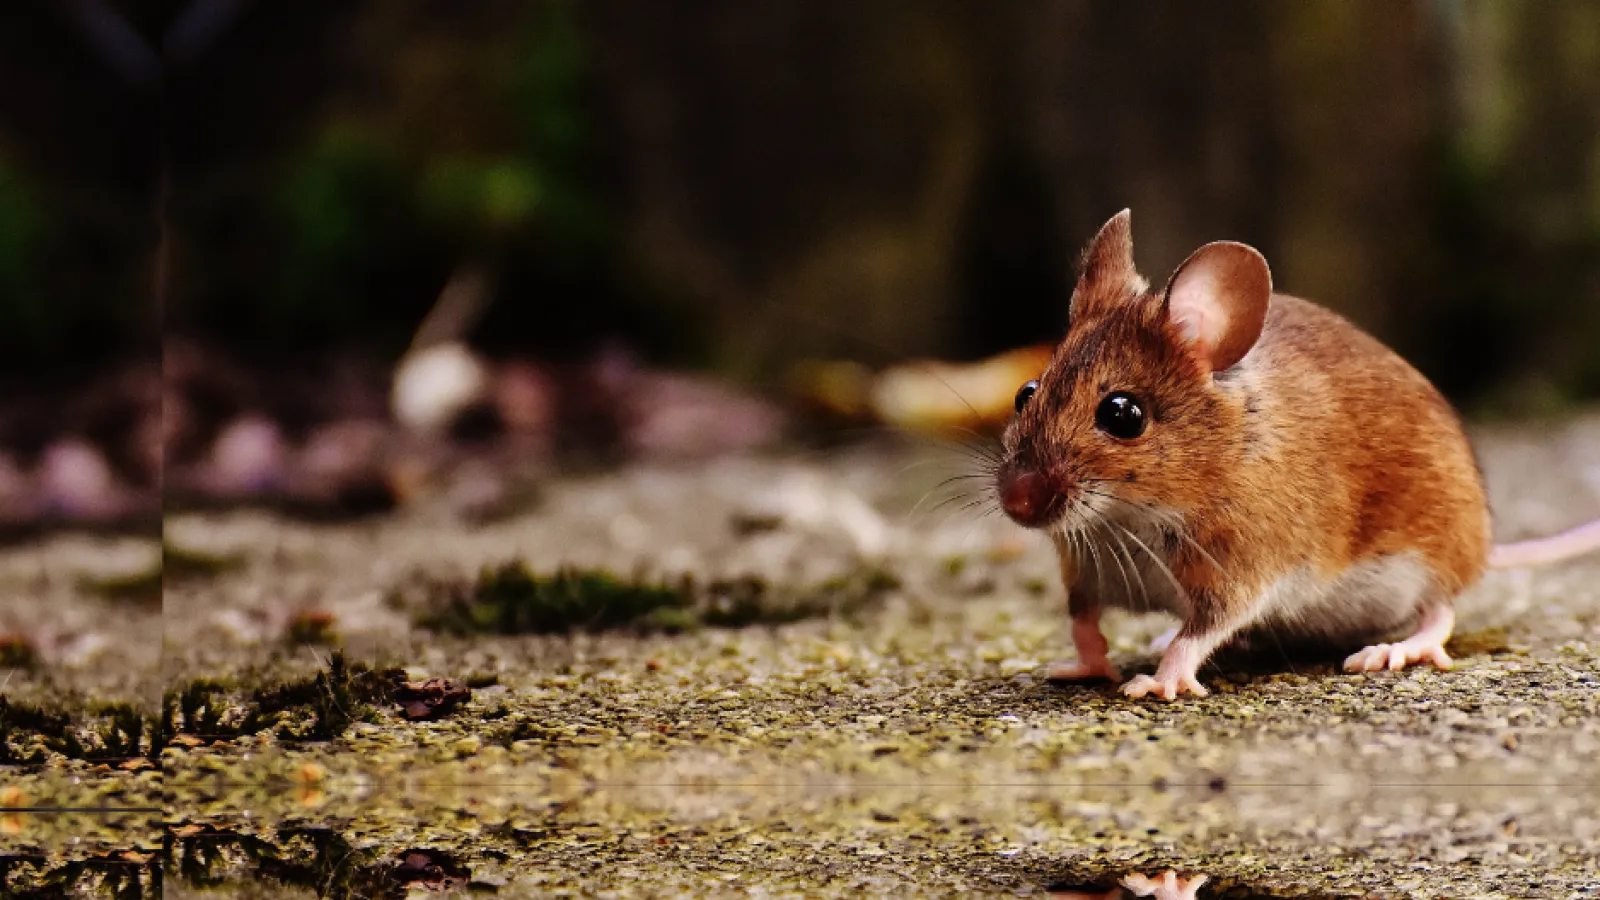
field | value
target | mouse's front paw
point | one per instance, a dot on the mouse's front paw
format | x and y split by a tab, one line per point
1168	887
1165	686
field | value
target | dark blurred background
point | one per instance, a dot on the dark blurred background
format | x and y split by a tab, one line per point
732	188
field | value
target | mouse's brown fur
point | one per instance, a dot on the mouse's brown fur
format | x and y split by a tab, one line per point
1318	465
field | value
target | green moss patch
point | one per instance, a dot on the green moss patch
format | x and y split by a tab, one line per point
176	564
143	586
511	599
318	708
183	563
33	735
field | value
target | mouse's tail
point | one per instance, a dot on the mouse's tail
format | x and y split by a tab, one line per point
1566	545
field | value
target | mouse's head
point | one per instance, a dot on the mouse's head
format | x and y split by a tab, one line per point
1131	409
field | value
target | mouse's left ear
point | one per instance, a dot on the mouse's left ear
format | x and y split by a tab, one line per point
1218	300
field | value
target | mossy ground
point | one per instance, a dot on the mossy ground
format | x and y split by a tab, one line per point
509	599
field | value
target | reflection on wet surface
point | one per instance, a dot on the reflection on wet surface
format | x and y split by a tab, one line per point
81	853
1165	885
124	875
323	862
522	840
1169	885
821	840
308	828
317	860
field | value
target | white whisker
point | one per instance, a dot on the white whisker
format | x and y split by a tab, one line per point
1182	594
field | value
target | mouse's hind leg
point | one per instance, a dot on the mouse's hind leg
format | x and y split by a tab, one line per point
1426	644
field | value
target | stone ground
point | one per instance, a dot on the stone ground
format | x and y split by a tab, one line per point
906	748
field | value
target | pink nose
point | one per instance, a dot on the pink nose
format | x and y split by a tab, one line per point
1027	497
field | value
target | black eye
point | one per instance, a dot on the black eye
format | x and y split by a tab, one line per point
1024	393
1120	416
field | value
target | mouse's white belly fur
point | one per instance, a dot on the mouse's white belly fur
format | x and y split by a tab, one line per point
1117	566
1370	599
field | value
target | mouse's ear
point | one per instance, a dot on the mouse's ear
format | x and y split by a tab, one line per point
1218	301
1109	255
1106	272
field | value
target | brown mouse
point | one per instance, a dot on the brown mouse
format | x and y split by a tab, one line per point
1251	463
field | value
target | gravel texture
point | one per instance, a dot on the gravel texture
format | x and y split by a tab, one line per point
909	748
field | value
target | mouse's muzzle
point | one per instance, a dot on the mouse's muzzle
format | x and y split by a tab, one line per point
1028	496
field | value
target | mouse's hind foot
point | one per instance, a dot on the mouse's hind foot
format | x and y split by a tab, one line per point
1427	645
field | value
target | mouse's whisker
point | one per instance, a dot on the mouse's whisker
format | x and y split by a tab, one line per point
1170	522
978	438
1183	535
987	453
968	476
1138	574
963	470
1127	583
985	459
1067	528
959	495
956	484
1080	533
1181	593
961	511
916	464
974	502
953	498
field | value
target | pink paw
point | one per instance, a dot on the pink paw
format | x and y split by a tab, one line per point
1083	670
1397	656
1166	687
1168	887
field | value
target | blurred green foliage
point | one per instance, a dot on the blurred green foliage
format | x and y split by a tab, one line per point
482	195
23	313
76	265
547	96
1427	169
366	221
342	205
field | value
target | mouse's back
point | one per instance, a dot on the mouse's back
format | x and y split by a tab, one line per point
1378	460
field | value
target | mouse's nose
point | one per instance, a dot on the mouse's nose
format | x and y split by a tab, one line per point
1028	497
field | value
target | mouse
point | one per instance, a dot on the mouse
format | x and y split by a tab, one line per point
1251	463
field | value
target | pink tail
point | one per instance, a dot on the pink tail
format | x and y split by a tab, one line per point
1566	545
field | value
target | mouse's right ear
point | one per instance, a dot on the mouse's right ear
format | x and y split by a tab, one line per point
1218	300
